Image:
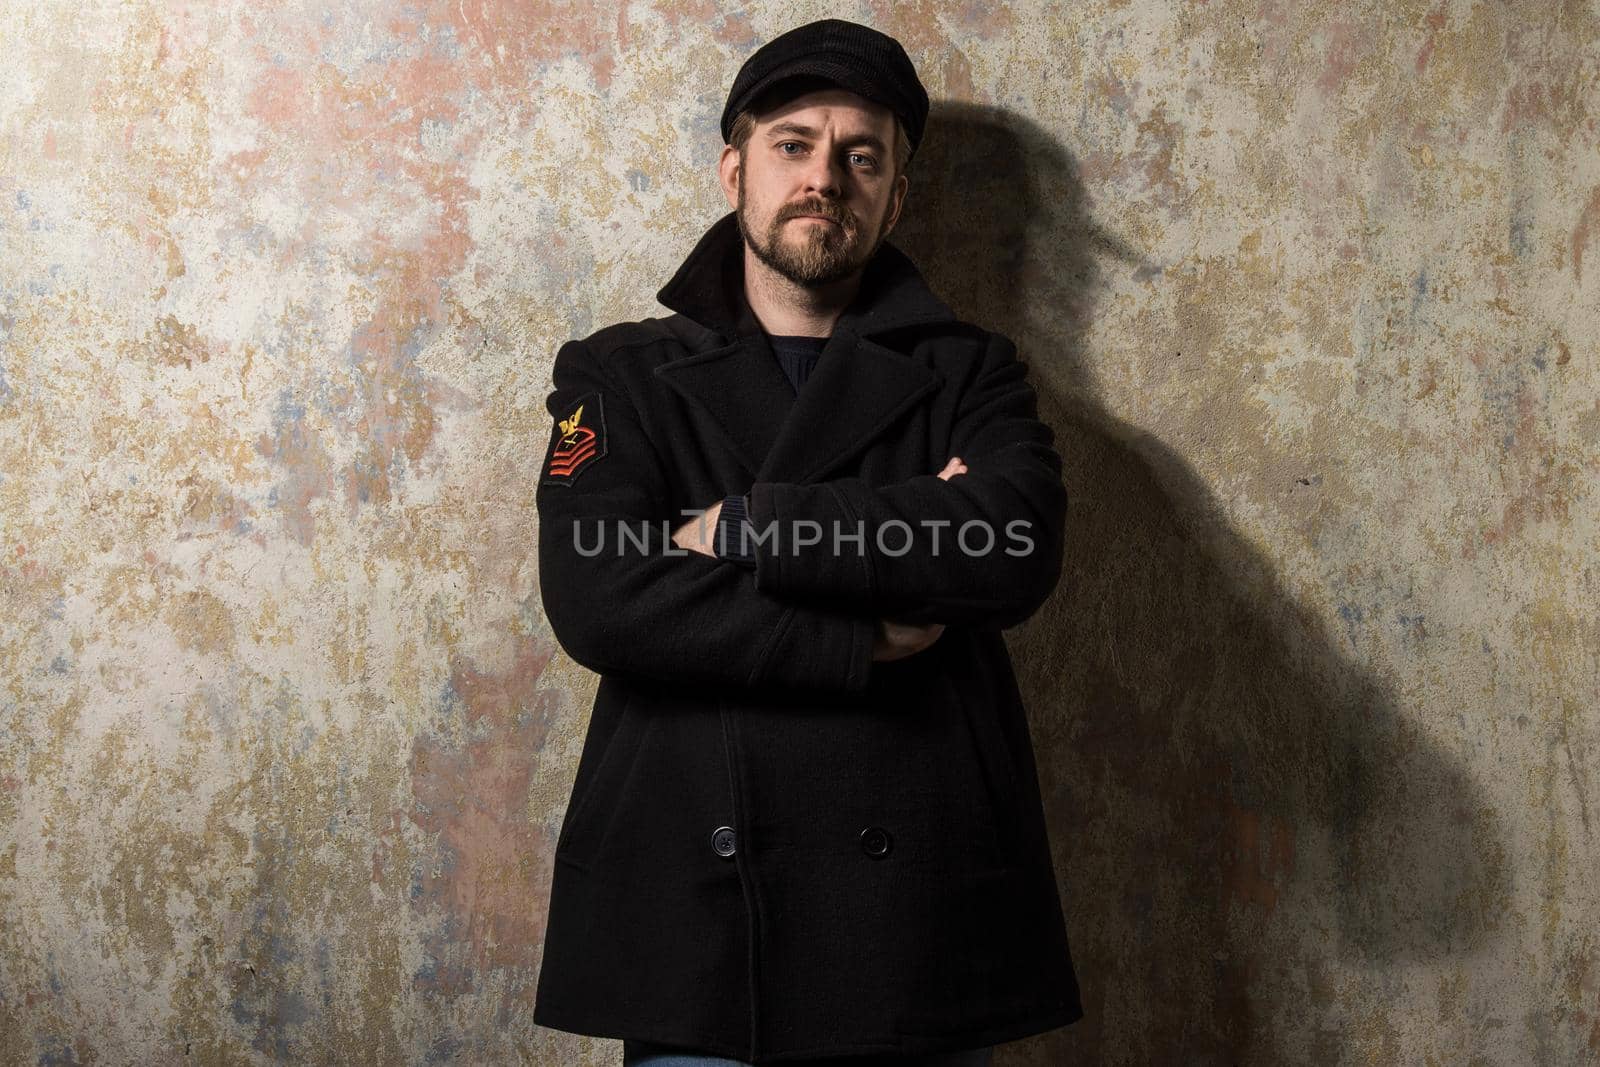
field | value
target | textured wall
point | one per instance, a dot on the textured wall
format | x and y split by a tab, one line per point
1309	290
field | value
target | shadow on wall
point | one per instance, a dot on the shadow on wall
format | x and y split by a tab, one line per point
1239	813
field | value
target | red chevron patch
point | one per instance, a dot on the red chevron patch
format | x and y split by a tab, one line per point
577	441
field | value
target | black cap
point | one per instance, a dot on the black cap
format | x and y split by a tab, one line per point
854	57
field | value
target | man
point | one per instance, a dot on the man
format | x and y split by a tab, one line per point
806	821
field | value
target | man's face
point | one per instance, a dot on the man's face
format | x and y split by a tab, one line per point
814	188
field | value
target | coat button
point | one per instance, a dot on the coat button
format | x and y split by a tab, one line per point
875	842
722	841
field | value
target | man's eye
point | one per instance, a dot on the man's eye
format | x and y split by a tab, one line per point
861	160
788	144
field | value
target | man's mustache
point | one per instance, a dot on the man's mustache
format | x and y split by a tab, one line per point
822	208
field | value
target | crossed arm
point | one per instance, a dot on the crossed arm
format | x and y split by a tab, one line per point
804	615
892	639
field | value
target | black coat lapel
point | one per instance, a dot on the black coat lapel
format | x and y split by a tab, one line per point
741	389
857	392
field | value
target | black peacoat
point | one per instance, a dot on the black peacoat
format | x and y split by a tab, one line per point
777	848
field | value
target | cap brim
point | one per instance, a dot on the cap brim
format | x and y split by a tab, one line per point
809	68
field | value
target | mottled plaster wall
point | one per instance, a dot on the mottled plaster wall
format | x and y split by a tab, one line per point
1309	290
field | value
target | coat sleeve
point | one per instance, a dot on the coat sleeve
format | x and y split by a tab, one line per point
622	598
935	567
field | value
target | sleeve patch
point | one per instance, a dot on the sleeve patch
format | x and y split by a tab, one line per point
577	442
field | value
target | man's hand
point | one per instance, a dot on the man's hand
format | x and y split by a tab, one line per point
897	640
699	533
953	468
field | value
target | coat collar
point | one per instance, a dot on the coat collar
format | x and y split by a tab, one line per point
857	391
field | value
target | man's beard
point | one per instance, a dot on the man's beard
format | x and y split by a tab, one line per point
822	255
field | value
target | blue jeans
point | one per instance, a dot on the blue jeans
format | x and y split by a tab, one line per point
644	1054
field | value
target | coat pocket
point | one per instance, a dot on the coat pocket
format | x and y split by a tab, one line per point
993	756
611	748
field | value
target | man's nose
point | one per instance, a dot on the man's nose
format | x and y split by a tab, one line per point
822	177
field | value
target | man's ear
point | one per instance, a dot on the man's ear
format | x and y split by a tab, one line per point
728	174
897	199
